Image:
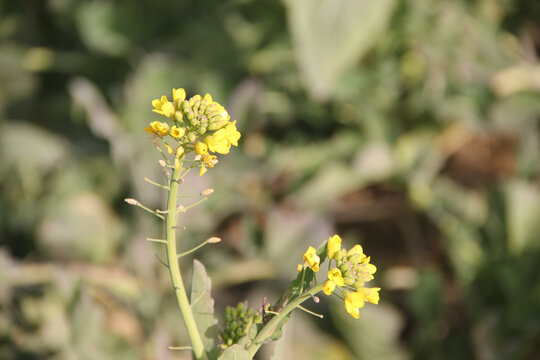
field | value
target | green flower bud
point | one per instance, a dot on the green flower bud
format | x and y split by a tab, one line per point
201	130
216	125
191	137
178	116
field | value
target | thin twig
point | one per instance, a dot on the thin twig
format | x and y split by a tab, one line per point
157	240
156	184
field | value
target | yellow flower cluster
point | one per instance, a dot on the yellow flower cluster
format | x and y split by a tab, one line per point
200	124
351	272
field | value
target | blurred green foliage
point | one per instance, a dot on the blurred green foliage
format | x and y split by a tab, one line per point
410	127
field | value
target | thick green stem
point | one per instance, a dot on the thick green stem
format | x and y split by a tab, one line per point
269	328
174	270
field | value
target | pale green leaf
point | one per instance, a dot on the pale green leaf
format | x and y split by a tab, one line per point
203	308
331	35
235	352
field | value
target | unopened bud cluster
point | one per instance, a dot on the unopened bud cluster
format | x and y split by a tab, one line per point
240	321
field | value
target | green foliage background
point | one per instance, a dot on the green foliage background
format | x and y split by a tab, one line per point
410	127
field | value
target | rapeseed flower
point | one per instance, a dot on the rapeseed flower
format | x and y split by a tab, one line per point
333	246
163	107
157	128
353	269
199	124
312	259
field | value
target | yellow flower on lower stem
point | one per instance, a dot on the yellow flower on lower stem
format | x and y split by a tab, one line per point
365	270
356	254
329	287
353	303
158	128
370	294
312	259
163	107
335	275
333	246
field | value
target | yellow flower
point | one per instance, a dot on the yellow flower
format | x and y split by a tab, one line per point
353	302
209	160
177	132
201	148
329	287
217	143
158	128
365	271
232	134
179	151
178	95
370	294
333	246
335	275
221	140
163	107
312	259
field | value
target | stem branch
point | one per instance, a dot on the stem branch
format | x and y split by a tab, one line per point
269	328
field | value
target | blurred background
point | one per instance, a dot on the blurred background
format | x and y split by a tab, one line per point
410	127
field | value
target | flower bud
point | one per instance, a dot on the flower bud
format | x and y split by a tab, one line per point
131	201
214	240
207	192
178	117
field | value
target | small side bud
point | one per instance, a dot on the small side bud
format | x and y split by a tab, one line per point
299	267
207	192
162	162
316	299
167	173
214	240
131	201
156	144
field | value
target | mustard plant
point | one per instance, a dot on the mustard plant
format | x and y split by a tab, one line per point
194	133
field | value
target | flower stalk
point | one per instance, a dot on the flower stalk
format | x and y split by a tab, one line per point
269	328
174	269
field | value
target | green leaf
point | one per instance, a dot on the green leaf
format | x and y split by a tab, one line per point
235	352
278	349
331	35
203	308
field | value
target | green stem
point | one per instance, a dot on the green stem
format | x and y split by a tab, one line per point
174	270
269	328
